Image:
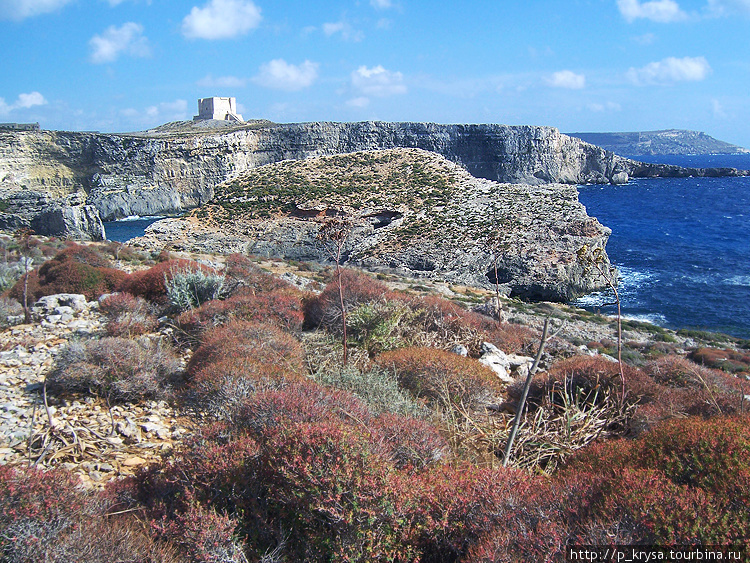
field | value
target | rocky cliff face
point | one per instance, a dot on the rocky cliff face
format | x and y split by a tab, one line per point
171	170
177	167
411	212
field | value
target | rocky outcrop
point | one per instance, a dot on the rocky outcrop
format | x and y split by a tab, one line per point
67	217
412	212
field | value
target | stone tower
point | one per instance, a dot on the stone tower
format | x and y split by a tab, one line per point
223	109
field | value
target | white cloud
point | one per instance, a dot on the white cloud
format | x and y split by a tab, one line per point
728	7
24	101
381	4
209	81
359	102
567	79
281	75
21	9
128	38
221	19
606	107
162	112
671	70
663	11
378	81
348	33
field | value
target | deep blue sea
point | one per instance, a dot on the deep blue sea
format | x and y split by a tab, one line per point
126	229
682	246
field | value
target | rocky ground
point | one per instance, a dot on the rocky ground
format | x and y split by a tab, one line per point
79	433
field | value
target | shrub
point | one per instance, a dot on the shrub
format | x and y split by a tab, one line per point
188	288
44	516
263	343
242	273
299	402
376	386
151	284
117	368
441	377
687	481
727	360
65	274
281	307
127	315
238	359
10	274
409	442
358	288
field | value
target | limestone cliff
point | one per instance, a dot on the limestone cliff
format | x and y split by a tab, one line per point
177	166
412	212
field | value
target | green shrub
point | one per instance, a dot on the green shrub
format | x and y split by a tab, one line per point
188	288
377	387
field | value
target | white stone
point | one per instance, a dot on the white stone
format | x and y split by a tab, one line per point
223	109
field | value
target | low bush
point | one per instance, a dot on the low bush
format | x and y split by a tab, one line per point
45	516
238	359
440	377
9	308
685	482
66	274
299	402
117	368
358	288
190	287
281	307
727	360
376	386
243	273
151	284
127	315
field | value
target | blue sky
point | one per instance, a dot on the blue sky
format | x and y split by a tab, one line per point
579	65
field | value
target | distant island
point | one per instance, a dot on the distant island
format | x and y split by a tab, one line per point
668	141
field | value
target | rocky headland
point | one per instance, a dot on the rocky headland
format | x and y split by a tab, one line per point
667	141
407	211
176	167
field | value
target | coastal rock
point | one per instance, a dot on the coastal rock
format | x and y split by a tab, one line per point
507	367
412	213
177	166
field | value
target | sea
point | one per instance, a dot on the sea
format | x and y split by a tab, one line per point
681	245
130	227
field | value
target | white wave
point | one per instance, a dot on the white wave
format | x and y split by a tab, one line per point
654	318
738	280
139	217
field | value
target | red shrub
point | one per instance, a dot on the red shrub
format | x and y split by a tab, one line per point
448	510
262	343
281	307
239	359
328	487
65	274
127	315
358	288
686	481
299	402
441	376
727	360
242	272
409	442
